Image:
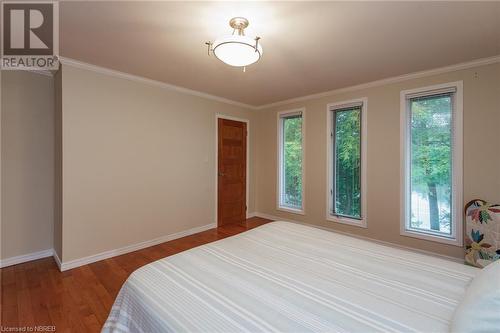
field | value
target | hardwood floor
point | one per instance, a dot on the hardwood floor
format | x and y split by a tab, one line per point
37	294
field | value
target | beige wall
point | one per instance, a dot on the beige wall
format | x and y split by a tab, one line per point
27	163
481	158
138	161
133	162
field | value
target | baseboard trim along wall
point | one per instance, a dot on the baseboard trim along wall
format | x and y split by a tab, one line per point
57	260
250	215
64	266
277	218
25	258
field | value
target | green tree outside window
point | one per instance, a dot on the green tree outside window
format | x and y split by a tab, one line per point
431	162
347	165
292	162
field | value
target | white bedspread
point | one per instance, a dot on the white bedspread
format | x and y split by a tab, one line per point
286	277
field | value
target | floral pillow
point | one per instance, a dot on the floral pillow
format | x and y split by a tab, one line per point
482	233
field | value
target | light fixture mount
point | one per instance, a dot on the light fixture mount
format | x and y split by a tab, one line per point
239	24
237	49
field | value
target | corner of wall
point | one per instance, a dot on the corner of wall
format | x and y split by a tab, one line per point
57	237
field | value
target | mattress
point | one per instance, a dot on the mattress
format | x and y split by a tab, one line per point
287	277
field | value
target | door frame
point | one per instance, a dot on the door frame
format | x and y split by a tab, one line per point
243	120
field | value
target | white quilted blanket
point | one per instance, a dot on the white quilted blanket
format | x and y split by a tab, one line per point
285	277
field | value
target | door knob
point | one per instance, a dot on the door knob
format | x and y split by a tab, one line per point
221	174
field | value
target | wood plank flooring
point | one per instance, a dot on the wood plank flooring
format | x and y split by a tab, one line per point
36	294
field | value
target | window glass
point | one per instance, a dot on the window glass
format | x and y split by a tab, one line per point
291	168
347	162
431	163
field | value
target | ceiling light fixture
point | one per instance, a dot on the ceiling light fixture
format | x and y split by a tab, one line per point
237	49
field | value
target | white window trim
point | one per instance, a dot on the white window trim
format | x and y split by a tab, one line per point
457	164
279	181
330	160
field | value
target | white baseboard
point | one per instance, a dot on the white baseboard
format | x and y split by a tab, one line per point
25	258
57	260
250	215
273	217
64	266
381	242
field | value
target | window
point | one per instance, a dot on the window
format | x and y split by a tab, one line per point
346	162
432	163
291	156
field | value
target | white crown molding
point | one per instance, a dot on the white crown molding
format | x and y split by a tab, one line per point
25	258
41	72
395	79
136	78
34	71
377	83
64	266
401	247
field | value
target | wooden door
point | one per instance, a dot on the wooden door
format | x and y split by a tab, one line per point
232	171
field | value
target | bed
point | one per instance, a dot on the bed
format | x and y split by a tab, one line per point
287	277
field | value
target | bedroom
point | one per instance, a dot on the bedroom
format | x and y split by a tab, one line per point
364	127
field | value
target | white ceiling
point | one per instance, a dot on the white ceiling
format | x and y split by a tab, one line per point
309	47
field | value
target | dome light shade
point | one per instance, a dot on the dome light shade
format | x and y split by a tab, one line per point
238	51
